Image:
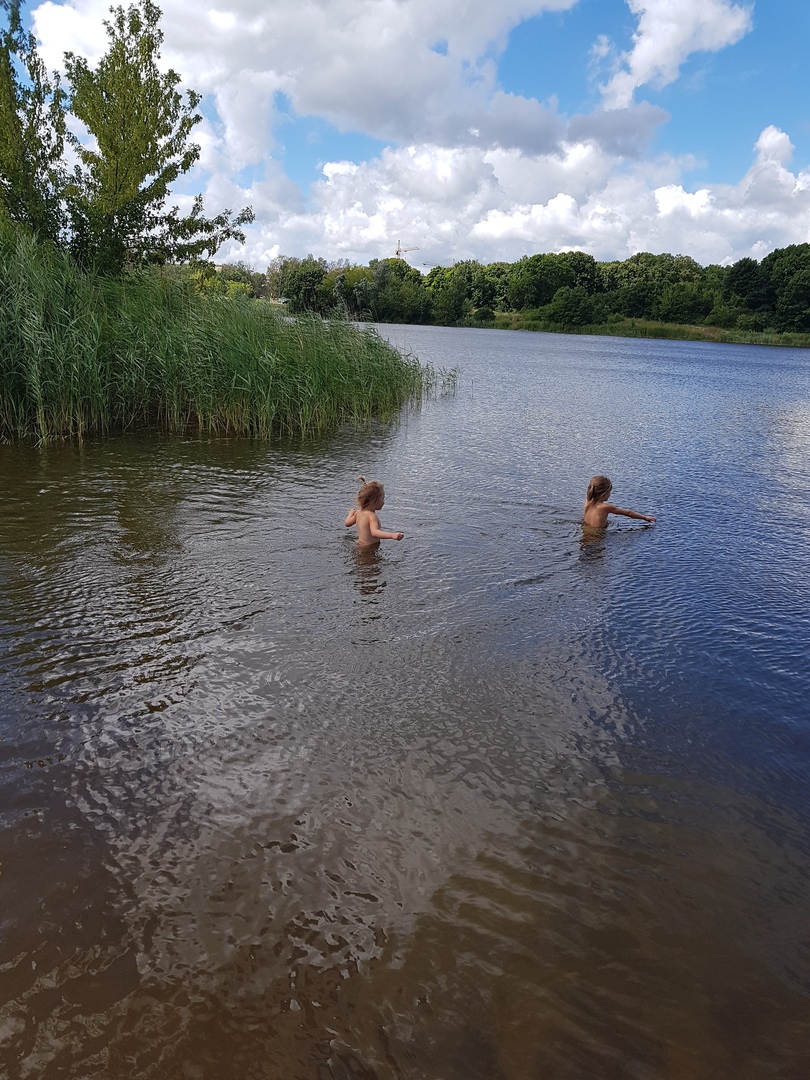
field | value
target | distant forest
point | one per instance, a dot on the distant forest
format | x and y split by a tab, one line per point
566	291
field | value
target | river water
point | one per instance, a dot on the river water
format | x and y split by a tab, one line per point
497	802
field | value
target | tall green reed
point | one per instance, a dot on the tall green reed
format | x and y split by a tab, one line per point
82	354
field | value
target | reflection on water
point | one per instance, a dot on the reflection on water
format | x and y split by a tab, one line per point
369	577
592	542
505	800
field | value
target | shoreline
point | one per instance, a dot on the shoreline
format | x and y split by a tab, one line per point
642	328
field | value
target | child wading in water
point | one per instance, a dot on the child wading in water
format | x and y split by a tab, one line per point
597	507
370	499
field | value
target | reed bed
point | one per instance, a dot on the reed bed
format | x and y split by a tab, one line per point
82	354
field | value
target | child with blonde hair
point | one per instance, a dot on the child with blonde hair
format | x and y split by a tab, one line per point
370	499
597	508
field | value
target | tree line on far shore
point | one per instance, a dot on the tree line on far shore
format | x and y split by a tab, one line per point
566	290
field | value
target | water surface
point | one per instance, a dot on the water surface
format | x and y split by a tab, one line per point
493	802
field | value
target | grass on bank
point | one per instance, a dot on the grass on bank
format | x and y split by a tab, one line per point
85	355
643	328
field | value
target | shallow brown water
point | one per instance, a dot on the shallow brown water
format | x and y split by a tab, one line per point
488	803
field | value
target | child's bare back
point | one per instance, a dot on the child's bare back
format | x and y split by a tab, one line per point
598	509
370	499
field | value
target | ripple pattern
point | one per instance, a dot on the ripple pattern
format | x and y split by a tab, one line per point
500	801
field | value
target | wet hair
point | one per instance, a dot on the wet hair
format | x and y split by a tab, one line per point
599	488
368	493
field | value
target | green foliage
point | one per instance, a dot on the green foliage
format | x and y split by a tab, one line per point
722	315
570	307
583	270
492	286
788	271
32	133
753	320
535	279
83	353
387	290
448	288
396	292
646	289
747	287
351	289
637	299
683	303
302	282
226	279
140	127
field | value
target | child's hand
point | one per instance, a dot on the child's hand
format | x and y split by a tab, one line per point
398	536
648	518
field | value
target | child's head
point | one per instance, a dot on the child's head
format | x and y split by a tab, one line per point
370	493
599	488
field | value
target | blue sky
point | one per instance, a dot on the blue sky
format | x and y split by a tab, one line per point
718	107
491	129
719	104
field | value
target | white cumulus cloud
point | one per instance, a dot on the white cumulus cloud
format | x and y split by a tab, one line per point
468	170
500	205
668	33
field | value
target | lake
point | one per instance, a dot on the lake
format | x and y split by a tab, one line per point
497	802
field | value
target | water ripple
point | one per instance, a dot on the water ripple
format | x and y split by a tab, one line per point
495	801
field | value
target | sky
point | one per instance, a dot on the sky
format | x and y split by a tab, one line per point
488	129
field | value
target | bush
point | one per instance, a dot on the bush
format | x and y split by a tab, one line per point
752	321
571	306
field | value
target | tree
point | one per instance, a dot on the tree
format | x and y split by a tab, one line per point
302	283
241	275
32	133
583	269
570	307
648	286
535	279
448	293
140	127
398	292
351	289
788	271
493	291
748	287
637	300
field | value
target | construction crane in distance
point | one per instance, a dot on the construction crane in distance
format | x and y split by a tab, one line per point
400	251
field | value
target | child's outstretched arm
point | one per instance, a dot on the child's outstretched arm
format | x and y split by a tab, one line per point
629	513
380	534
351	517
